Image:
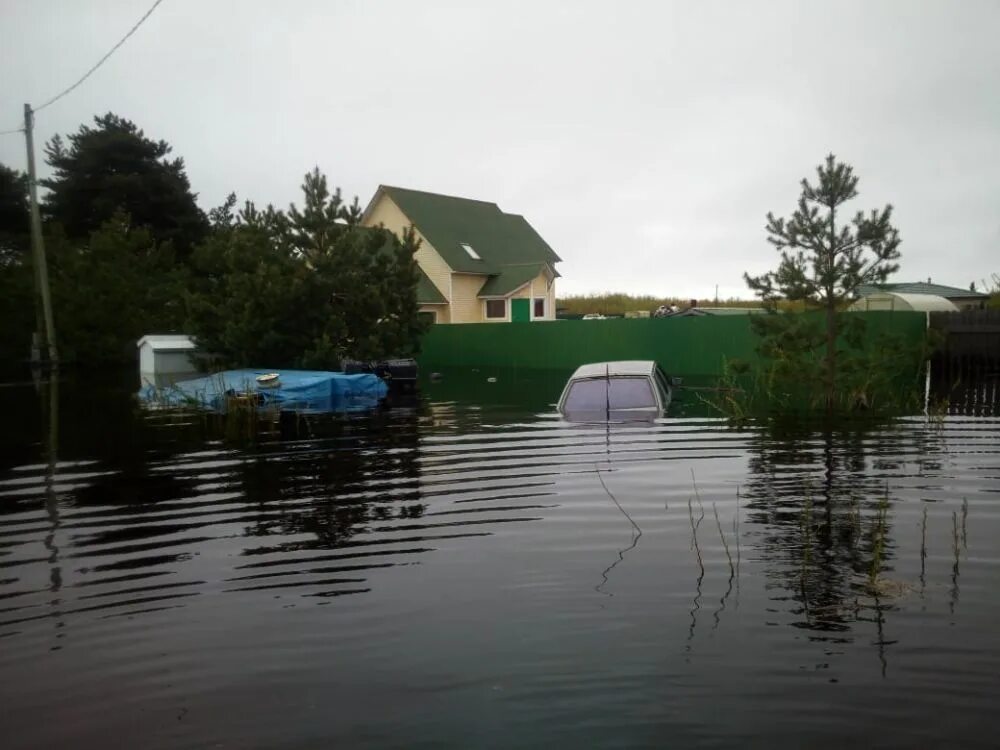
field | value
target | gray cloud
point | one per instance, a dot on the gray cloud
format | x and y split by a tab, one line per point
645	142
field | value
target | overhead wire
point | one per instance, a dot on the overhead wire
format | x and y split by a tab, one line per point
87	75
100	62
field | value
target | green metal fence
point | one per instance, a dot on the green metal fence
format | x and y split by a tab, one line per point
684	346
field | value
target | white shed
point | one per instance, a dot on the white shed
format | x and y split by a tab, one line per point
899	301
166	355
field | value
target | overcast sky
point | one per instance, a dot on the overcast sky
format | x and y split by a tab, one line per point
644	141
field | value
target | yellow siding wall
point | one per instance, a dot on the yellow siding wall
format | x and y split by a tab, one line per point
387	213
440	312
539	287
542	287
466	307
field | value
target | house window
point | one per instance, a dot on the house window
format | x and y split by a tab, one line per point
539	307
427	316
468	248
496	309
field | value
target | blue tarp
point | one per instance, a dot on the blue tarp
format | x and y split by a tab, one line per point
307	391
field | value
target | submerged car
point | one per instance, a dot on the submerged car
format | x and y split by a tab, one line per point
616	391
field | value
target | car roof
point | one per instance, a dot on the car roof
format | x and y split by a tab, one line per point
629	367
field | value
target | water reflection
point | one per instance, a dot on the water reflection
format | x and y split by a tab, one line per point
636	534
321	501
834	511
480	560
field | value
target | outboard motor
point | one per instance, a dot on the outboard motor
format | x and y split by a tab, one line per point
399	374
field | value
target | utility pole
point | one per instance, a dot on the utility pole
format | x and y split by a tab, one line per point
37	243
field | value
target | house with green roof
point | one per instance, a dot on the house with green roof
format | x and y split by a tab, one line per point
477	263
963	299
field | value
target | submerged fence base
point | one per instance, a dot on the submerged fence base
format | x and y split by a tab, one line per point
966	369
968	384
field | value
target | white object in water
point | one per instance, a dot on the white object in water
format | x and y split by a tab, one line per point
268	380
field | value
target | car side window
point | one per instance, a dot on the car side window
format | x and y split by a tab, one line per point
631	393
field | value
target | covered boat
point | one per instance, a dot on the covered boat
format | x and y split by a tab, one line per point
302	391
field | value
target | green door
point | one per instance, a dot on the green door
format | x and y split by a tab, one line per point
520	310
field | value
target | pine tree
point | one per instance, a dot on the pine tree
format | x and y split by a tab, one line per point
17	298
822	262
15	231
306	288
114	167
111	289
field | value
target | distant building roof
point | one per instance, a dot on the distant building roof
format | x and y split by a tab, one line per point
694	312
472	236
900	301
921	287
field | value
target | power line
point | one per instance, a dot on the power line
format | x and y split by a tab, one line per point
11	132
100	62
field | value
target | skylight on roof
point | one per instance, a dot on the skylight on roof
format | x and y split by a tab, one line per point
468	248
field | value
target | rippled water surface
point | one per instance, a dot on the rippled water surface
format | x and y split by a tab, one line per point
468	570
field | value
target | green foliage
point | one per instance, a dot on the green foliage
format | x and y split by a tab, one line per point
15	225
820	262
617	303
879	372
733	396
991	287
609	303
244	290
130	253
16	282
17	312
110	290
305	288
114	167
107	291
823	264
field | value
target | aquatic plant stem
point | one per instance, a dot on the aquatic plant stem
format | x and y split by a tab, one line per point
722	536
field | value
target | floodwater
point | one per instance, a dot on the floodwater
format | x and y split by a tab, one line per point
469	571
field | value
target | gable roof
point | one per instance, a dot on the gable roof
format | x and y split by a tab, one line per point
510	279
921	287
427	293
448	222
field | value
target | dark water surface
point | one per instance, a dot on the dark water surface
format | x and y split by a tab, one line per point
469	571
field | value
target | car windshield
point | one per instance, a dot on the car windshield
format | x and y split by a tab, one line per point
610	394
